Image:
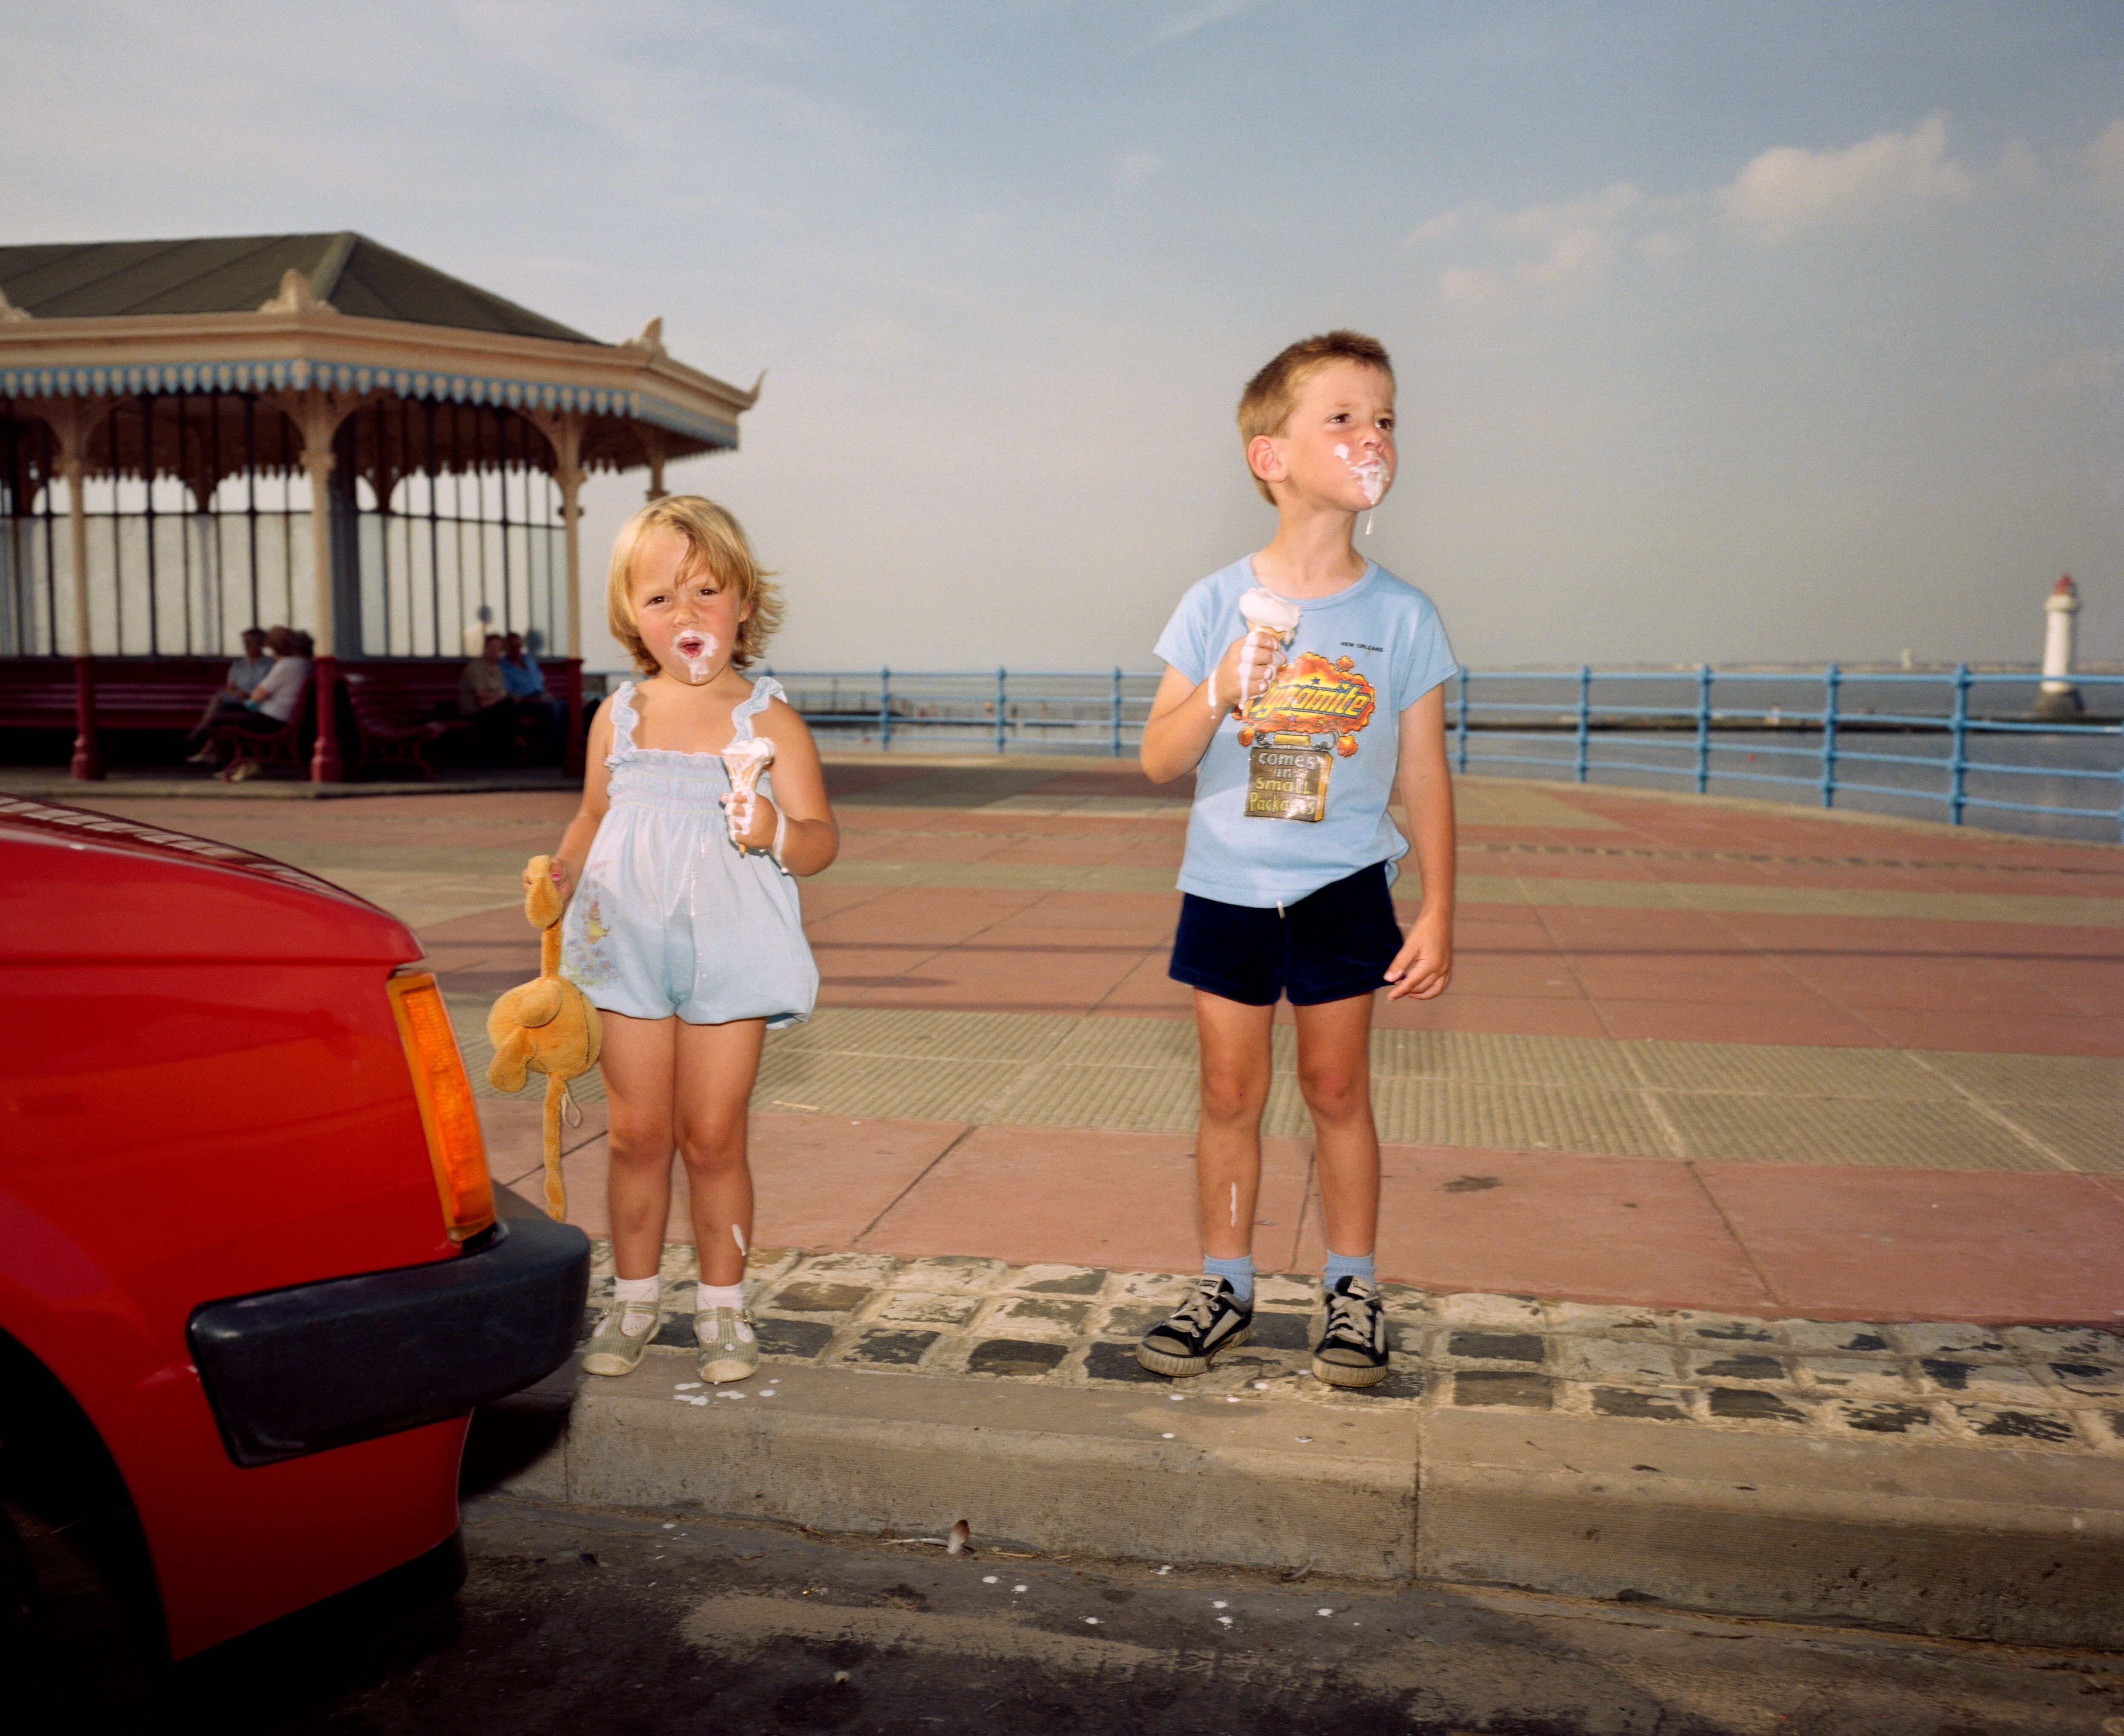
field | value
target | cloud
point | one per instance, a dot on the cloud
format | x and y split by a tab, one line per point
1132	169
1789	188
2106	156
1201	18
1551	251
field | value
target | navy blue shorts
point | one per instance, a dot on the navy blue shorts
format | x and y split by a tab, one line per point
1330	945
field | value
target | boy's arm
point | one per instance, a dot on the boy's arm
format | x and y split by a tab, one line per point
1185	716
1425	964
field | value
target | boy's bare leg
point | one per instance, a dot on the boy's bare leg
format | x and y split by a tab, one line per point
1234	1040
638	1062
1335	1074
717	1066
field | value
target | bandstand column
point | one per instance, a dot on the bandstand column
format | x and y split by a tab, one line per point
71	420
319	414
564	430
88	762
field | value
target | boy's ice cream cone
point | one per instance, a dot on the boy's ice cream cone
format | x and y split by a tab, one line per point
1277	616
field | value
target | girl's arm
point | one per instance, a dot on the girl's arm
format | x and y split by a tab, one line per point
574	848
1185	716
811	839
1422	967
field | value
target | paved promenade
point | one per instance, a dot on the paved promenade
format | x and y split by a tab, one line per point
1696	1054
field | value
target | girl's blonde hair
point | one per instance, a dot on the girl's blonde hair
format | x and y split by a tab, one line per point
717	539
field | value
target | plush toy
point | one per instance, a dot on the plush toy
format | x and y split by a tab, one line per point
546	1026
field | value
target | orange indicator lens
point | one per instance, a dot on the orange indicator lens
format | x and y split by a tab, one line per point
447	1112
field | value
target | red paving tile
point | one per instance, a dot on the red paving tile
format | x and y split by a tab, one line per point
818	1181
2020	1033
1745	980
1868	1244
1590	1229
1122	1200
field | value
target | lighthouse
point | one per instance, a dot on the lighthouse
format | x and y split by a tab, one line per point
2057	697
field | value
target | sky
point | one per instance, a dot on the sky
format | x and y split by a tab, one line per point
1733	331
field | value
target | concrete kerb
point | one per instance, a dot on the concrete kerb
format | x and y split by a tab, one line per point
1587	1453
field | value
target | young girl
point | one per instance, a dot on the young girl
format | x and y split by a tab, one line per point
682	925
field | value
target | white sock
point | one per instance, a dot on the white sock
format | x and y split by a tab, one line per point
709	1298
639	1297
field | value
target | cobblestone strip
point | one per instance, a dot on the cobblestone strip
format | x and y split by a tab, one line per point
2046	1388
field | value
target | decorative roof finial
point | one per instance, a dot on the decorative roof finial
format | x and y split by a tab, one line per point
650	338
296	297
11	315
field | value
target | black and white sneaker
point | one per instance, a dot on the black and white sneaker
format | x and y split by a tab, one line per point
1352	1352
1211	1322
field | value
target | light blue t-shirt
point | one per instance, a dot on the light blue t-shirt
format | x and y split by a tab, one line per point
1359	659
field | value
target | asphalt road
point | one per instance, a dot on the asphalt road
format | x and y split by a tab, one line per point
585	1624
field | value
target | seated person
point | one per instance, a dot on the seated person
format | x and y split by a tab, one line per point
527	687
483	696
272	703
244	675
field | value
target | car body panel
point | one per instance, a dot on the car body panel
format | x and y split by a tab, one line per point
203	1094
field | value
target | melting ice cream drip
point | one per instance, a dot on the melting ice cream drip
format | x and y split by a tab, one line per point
744	761
1372	476
694	650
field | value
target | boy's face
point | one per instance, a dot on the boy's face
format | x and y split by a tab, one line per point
1337	449
686	614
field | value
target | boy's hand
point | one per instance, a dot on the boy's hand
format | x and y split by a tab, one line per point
1244	671
1424	965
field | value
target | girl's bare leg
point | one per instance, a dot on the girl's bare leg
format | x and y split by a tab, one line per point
639	1061
1234	1040
1335	1074
716	1067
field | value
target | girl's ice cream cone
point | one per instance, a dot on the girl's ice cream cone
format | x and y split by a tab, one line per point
744	761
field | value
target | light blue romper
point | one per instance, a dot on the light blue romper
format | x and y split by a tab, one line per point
671	916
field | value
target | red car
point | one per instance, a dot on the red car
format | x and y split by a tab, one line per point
251	1277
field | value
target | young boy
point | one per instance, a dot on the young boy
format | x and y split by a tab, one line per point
1298	731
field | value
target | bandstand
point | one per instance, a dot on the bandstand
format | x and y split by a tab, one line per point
199	436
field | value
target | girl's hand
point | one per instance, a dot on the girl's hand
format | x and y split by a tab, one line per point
562	877
760	835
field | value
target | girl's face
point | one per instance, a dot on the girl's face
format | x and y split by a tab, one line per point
686	614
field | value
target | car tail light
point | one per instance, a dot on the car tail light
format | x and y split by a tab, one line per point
447	1110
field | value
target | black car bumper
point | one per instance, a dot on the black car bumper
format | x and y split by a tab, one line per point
318	1365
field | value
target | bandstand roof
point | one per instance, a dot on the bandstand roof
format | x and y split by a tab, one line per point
273	314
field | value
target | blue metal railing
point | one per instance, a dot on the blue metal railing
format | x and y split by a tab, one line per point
1835	734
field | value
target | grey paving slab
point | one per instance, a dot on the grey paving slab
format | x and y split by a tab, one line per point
1859	1131
2093	1079
2090	1136
1492	1058
1786	1071
965	1036
1433	1112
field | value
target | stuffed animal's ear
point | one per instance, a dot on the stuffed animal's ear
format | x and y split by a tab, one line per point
508	1069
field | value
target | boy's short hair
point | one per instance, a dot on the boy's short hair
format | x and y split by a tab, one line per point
717	538
1265	407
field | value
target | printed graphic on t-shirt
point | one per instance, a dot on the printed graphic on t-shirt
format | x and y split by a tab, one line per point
1313	706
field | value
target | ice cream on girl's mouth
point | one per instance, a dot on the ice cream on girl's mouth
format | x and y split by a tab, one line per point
694	649
1371	474
744	761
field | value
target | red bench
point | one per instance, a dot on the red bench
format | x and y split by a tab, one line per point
394	713
131	692
290	745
